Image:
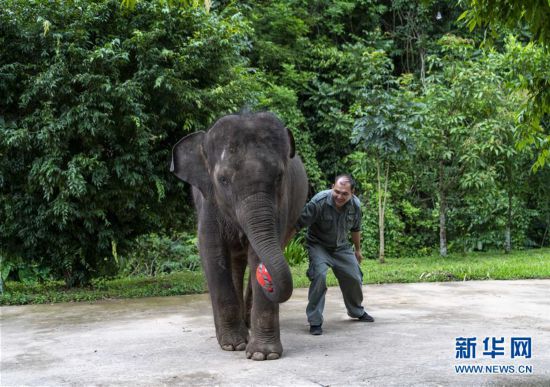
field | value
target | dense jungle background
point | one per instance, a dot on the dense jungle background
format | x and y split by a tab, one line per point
440	109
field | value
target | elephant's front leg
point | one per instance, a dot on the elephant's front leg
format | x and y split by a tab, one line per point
265	338
231	330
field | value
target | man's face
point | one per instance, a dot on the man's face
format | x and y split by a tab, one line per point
341	192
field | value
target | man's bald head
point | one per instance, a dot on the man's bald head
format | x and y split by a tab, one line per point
346	179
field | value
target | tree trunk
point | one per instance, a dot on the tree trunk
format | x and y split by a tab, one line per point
442	213
508	232
381	232
545	232
422	67
380	215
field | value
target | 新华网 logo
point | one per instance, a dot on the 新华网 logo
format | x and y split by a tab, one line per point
513	348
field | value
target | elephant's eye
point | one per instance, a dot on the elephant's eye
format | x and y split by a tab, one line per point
223	180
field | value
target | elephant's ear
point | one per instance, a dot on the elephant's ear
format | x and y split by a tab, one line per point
292	144
189	163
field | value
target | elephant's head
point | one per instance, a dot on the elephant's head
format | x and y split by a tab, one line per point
240	166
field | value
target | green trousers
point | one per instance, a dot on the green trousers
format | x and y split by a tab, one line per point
347	271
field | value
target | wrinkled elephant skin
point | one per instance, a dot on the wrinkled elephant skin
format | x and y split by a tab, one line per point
249	188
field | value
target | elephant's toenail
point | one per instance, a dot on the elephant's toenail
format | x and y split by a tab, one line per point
228	347
241	347
258	356
273	356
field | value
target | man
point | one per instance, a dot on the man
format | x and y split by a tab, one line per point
330	216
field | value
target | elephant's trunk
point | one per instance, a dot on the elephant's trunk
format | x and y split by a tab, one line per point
256	215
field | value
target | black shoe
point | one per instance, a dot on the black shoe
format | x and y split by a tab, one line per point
315	330
366	318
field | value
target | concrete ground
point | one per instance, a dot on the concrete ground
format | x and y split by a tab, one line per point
171	340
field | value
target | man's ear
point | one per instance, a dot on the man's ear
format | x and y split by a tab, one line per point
189	162
292	144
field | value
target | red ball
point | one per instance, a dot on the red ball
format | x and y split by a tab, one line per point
263	278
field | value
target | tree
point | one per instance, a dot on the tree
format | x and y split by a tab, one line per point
494	171
529	71
277	47
385	121
535	15
414	27
92	98
314	48
469	139
450	95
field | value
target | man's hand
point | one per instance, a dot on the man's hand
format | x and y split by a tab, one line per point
356	238
358	256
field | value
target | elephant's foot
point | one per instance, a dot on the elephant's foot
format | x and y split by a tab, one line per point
234	340
234	347
257	350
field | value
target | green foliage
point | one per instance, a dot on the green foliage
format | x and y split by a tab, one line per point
94	94
386	119
529	64
414	27
280	32
537	198
480	221
468	137
295	252
534	13
283	101
152	255
91	100
173	3
456	267
16	269
344	74
529	71
318	55
17	293
410	224
460	267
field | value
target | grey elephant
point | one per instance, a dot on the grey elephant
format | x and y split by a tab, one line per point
249	188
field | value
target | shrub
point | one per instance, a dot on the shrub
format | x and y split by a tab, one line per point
295	252
92	98
154	254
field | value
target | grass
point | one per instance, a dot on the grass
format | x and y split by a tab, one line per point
473	266
525	264
17	293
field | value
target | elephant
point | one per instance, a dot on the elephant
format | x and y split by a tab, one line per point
249	188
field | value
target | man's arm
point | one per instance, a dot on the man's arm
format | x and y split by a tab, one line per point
356	232
309	215
356	238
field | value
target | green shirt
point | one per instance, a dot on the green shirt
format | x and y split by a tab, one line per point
329	226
